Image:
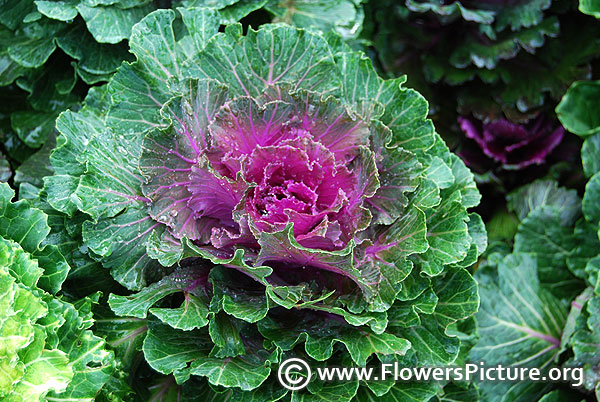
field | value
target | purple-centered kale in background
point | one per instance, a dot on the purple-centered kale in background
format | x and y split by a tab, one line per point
514	145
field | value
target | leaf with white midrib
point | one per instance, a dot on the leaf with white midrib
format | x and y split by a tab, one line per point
520	322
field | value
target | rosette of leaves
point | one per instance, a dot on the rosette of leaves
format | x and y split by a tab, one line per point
487	56
47	348
268	195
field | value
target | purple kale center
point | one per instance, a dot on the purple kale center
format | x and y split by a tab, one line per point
262	168
298	181
512	144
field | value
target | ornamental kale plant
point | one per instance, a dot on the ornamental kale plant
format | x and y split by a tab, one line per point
266	195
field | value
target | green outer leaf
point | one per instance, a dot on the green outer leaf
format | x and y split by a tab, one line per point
37	166
58	10
201	24
486	55
134	106
187	280
112	24
224	332
5	169
124	335
479	241
430	346
542	230
458	296
76	129
407	234
590	207
589	155
590	7
239	9
398	174
139	90
48	346
32	52
184	353
33	127
545	192
320	335
447	235
522	15
405	110
247	70
92	364
49	371
10	70
94	58
576	110
584	341
455	8
343	16
167	350
516	314
192	314
109	191
464	182
13	12
249	305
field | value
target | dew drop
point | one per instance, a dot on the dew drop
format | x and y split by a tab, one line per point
187	107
